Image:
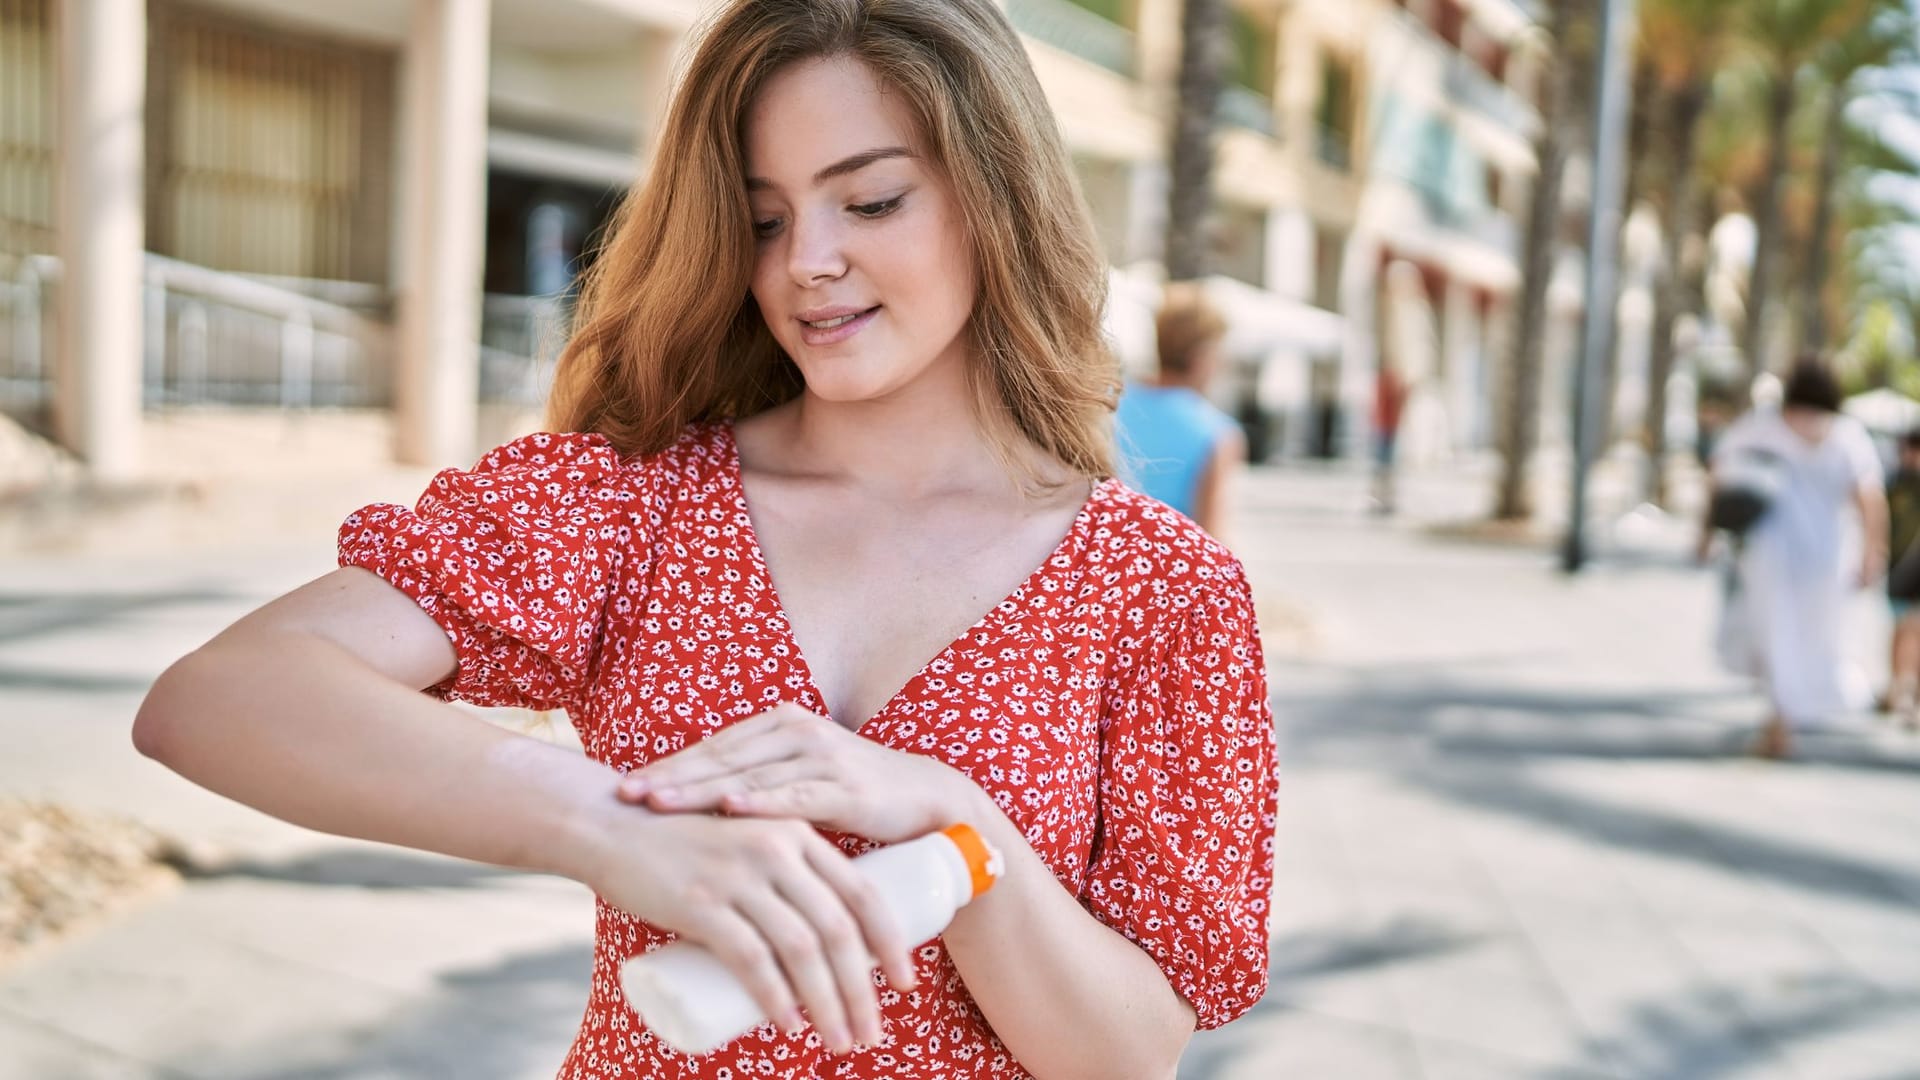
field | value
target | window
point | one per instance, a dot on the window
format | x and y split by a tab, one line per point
1333	115
1119	12
1254	41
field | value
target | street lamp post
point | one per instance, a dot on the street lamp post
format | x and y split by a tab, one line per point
1612	62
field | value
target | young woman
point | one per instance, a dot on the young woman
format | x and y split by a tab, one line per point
826	556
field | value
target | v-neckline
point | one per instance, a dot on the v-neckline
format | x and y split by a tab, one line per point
757	561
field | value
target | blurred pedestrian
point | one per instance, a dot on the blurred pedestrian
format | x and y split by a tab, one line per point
1389	404
1903	582
1175	444
1822	533
845	336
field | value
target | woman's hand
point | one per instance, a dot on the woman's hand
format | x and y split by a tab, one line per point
778	904
790	763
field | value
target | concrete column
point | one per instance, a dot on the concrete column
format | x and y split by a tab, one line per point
102	231
1464	365
444	193
1290	253
658	52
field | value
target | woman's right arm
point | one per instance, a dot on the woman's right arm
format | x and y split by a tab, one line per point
310	709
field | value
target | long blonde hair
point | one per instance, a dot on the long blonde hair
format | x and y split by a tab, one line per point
667	333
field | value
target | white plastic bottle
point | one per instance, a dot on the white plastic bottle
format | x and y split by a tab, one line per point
694	1004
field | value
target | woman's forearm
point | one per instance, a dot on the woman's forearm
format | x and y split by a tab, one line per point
293	725
1068	996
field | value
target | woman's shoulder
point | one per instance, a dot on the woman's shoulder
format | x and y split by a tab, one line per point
571	459
1141	540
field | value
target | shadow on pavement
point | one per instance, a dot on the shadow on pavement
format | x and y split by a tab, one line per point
1695	1034
507	1021
1502	788
1708	1033
71	682
29	615
1345	949
355	869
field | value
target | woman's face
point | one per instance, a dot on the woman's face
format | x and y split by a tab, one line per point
864	271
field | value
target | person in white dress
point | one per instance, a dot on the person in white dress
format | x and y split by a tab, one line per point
1822	536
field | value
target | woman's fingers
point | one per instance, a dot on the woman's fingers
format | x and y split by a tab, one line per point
842	937
806	796
771	736
879	930
712	792
803	957
742	946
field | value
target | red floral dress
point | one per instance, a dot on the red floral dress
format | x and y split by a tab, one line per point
1114	706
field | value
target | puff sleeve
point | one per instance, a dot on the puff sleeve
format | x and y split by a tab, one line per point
1182	863
515	559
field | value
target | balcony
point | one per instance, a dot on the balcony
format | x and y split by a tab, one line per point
1242	107
1467	85
1334	148
1071	28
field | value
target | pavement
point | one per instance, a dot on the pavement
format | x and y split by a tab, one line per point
1515	839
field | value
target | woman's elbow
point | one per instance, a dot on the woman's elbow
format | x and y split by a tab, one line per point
156	724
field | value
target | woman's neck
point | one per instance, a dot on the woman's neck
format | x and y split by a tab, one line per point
923	440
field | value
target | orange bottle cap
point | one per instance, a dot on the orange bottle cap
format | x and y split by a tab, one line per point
984	864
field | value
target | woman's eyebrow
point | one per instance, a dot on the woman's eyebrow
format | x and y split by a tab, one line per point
844	166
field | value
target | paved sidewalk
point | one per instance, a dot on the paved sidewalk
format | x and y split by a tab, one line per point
1511	844
1514	842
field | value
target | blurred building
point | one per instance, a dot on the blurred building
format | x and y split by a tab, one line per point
1375	161
370	205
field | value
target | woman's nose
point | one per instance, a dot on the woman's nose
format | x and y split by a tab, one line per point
816	251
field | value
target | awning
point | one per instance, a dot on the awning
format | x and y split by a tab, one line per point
1258	322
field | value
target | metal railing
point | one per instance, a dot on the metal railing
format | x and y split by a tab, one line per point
1333	147
1247	108
214	338
1467	84
211	338
520	341
1072	28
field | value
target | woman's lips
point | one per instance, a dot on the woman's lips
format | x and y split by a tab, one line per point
835	335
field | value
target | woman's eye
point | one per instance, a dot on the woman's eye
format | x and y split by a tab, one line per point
878	209
766	228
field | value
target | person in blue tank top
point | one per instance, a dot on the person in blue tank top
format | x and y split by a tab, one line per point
1175	445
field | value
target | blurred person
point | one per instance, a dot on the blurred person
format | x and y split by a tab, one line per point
1176	445
1823	533
1389	405
845	340
1903	582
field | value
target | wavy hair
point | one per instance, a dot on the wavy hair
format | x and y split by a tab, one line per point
667	332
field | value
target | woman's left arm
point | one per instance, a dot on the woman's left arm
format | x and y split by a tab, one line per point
1069	996
1035	960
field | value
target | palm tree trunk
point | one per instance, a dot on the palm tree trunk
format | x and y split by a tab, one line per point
1766	235
1686	106
1203	47
1813	320
1520	394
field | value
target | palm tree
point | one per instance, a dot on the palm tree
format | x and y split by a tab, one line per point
1888	34
1568	28
1682	43
1203	65
1783	36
